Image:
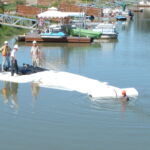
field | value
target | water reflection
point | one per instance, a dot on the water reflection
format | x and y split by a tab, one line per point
142	21
9	93
57	56
119	104
124	103
124	26
35	89
106	44
61	56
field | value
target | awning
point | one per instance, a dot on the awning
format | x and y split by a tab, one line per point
52	14
75	14
58	14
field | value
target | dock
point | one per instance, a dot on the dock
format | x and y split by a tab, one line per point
58	39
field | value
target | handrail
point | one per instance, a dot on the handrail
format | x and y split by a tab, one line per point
16	21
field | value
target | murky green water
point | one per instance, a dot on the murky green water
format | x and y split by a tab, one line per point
37	118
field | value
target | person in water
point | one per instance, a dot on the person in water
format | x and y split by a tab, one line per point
14	65
5	50
125	97
124	101
35	53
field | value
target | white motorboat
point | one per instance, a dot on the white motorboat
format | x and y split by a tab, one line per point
108	30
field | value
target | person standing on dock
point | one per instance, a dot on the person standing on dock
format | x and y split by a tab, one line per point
5	50
35	53
14	65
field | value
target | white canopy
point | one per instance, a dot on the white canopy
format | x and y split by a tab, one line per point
52	14
52	8
59	14
75	14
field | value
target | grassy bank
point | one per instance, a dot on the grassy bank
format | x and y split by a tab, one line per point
7	32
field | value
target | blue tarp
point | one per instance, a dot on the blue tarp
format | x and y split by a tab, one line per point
53	34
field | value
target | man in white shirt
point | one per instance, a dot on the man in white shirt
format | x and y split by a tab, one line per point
14	65
35	53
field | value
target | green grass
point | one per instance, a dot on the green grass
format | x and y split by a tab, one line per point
10	7
7	32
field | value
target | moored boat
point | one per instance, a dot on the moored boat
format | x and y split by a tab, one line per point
108	30
21	38
77	39
85	33
137	9
40	38
143	4
121	18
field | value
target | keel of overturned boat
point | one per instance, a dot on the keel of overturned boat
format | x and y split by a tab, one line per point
67	81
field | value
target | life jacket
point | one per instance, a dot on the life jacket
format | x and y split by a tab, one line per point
6	51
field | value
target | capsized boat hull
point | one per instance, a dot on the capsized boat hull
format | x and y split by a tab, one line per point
70	82
91	87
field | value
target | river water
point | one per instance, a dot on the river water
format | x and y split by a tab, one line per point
34	118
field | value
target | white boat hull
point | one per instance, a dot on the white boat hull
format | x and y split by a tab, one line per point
71	82
109	36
